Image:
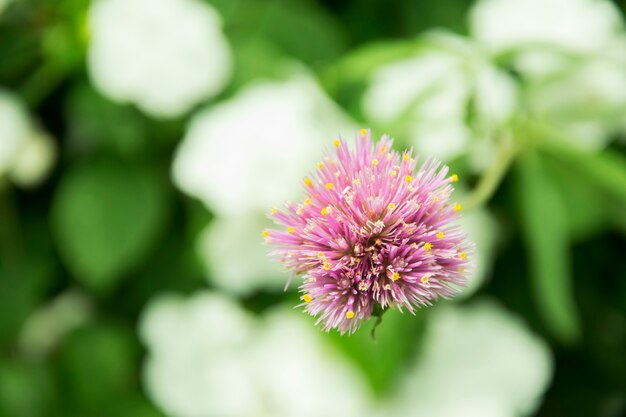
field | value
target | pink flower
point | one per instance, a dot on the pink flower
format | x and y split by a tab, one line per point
372	231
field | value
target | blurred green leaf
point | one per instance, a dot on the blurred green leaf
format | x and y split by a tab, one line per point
605	169
95	122
106	216
97	366
25	390
383	359
585	205
304	30
544	226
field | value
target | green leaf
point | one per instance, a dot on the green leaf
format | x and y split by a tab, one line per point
382	360
26	390
106	216
98	363
545	229
605	169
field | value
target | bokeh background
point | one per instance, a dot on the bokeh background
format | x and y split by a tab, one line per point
143	143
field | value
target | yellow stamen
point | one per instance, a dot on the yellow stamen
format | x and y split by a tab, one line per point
375	162
364	132
463	255
307	298
336	143
383	149
454	178
394	173
395	276
320	165
320	255
329	185
424	279
350	314
428	246
457	207
391	206
299	211
356	181
273	211
325	211
440	235
291	229
408	178
307	202
435	199
327	266
406	157
307	181
266	233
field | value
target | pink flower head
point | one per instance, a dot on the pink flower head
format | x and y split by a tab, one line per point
372	230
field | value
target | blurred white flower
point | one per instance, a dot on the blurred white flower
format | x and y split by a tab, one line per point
477	361
578	26
432	93
235	257
482	229
165	56
208	357
245	155
26	152
250	152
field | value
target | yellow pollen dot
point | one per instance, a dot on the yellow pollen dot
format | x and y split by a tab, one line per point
320	255
383	149
424	279
391	206
440	235
307	202
457	207
350	314
307	298
336	143
436	200
364	132
375	162
406	157
266	233
273	211
291	229
327	266
454	178
356	181
307	181
394	173
329	185
324	212
299	211
320	165
408	178
428	246
395	276
463	255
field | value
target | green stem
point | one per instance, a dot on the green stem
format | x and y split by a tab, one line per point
491	179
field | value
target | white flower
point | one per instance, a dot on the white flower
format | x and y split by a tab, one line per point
251	152
165	56
26	153
482	229
208	357
244	156
232	252
432	92
477	361
579	26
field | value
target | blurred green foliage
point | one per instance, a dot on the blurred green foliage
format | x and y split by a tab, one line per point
109	221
